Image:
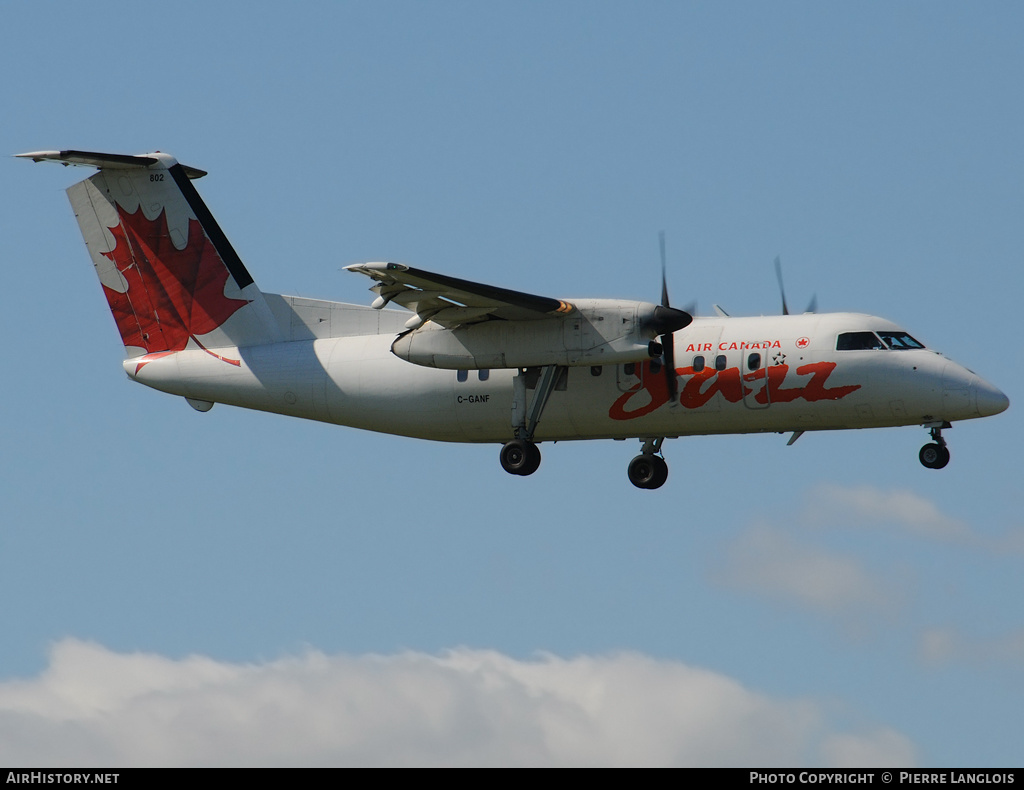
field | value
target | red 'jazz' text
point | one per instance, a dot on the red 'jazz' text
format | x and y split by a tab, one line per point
651	391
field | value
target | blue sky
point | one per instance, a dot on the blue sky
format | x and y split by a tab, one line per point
406	602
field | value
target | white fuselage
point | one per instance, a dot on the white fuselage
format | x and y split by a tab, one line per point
776	373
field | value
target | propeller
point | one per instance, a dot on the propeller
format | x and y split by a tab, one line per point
782	290
670	320
812	306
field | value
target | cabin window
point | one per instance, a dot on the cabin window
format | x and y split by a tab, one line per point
720	362
899	341
698	363
858	341
655	366
595	370
483	374
629	368
754	362
461	375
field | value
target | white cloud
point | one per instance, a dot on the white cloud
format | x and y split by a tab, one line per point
768	560
830	505
853	752
94	707
945	645
834	504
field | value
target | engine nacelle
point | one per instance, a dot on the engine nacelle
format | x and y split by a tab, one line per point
597	332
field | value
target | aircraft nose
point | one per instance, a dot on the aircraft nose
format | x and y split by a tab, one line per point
991	400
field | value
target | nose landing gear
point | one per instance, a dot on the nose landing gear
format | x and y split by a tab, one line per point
648	470
936	454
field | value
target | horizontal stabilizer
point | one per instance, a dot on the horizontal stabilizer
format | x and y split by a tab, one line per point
112	161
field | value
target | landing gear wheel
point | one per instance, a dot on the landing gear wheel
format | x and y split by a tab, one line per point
934	456
520	457
533	464
648	471
661	474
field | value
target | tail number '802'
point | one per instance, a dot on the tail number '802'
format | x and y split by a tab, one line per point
156	176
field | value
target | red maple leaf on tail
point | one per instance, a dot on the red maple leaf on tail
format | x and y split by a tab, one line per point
173	295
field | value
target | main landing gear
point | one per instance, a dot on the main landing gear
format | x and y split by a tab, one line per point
649	470
936	454
521	456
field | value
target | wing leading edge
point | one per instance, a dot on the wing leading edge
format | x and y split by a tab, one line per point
452	302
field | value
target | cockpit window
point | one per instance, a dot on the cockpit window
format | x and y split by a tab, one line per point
899	341
858	341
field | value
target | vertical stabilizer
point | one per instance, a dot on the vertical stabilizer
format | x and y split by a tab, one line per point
170	275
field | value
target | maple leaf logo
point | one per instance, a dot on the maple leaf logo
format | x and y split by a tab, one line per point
173	295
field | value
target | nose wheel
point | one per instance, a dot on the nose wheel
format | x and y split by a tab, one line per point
935	455
647	470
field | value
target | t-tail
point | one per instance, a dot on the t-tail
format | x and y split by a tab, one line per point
170	275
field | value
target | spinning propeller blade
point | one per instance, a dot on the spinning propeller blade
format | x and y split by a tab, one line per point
812	306
782	290
668	342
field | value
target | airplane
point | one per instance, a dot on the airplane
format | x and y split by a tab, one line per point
478	363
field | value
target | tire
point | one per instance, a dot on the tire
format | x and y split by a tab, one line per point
643	471
661	473
934	456
520	457
533	459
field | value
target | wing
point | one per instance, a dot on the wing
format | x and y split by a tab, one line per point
452	302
